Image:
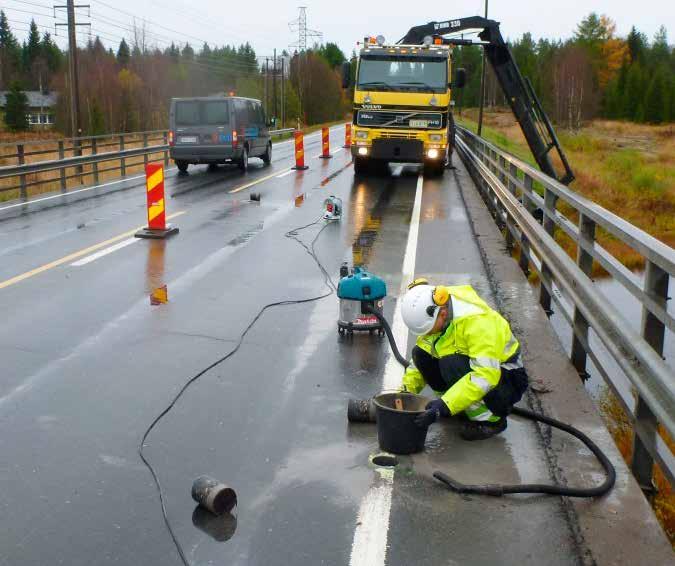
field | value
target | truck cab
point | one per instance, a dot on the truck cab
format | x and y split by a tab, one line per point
402	105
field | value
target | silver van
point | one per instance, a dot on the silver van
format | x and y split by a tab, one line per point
217	129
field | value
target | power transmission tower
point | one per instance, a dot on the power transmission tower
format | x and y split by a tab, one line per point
300	26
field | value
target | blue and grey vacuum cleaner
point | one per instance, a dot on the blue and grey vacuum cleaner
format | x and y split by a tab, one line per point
359	293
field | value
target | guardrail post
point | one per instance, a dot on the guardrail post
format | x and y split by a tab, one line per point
580	327
94	151
524	260
165	137
145	144
653	331
62	171
77	152
550	201
123	163
20	153
511	185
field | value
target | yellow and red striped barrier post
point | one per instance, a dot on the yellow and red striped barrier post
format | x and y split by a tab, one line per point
154	184
299	151
348	136
325	144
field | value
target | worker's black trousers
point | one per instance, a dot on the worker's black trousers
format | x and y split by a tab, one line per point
442	373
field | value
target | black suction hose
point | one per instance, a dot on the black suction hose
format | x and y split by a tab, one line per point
499	490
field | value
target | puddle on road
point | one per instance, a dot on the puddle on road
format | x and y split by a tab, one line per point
154	273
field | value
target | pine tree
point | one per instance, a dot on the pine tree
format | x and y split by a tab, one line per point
637	44
31	50
16	108
96	119
10	52
123	54
51	53
632	107
656	103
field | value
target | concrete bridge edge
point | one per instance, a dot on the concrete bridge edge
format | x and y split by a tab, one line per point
621	527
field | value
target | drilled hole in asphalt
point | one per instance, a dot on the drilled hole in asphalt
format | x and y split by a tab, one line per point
385	461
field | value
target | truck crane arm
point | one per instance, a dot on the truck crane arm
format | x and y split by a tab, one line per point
527	109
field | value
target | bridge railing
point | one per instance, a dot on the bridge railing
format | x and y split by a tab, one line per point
45	165
533	209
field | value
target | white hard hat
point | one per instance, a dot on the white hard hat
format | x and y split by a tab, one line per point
419	310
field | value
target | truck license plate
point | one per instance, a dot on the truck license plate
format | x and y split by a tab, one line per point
188	139
419	123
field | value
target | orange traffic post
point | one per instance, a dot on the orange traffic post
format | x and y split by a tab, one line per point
154	184
325	144
299	151
348	136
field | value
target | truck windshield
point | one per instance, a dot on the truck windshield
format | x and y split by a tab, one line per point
410	74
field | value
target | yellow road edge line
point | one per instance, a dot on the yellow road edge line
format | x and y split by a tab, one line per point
75	255
257	181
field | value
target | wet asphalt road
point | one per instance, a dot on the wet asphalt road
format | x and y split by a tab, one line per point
88	363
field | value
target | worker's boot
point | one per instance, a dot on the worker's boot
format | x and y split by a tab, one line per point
480	430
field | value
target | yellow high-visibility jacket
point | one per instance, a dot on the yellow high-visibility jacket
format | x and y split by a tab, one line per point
476	331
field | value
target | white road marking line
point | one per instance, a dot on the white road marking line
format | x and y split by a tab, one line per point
369	547
105	251
284	174
62	195
338	150
256	182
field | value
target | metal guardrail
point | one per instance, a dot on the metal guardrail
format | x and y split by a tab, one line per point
511	190
85	152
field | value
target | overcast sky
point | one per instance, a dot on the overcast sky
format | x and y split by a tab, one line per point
265	22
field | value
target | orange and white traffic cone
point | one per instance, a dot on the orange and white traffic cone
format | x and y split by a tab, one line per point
154	183
348	136
325	144
299	151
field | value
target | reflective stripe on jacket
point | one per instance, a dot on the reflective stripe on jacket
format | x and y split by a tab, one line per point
476	331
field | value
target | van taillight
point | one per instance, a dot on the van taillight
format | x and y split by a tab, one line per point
234	137
171	137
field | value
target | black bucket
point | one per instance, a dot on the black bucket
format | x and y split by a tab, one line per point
396	430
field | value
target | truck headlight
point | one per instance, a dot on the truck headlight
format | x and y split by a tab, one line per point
361	134
435	137
432	153
363	151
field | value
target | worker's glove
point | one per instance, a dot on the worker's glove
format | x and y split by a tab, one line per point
434	410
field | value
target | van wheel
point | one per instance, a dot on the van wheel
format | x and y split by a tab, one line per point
182	166
243	160
267	156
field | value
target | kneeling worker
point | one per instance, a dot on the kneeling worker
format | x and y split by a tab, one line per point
466	353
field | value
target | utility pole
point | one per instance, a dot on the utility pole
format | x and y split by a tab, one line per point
274	86
267	106
75	123
482	84
283	97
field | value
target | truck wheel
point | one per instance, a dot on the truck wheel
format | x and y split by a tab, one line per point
267	156
361	166
434	169
243	160
182	166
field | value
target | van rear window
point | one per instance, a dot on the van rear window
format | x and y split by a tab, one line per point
217	113
187	113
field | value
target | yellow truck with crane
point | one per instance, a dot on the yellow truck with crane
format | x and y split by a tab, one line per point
402	98
402	110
